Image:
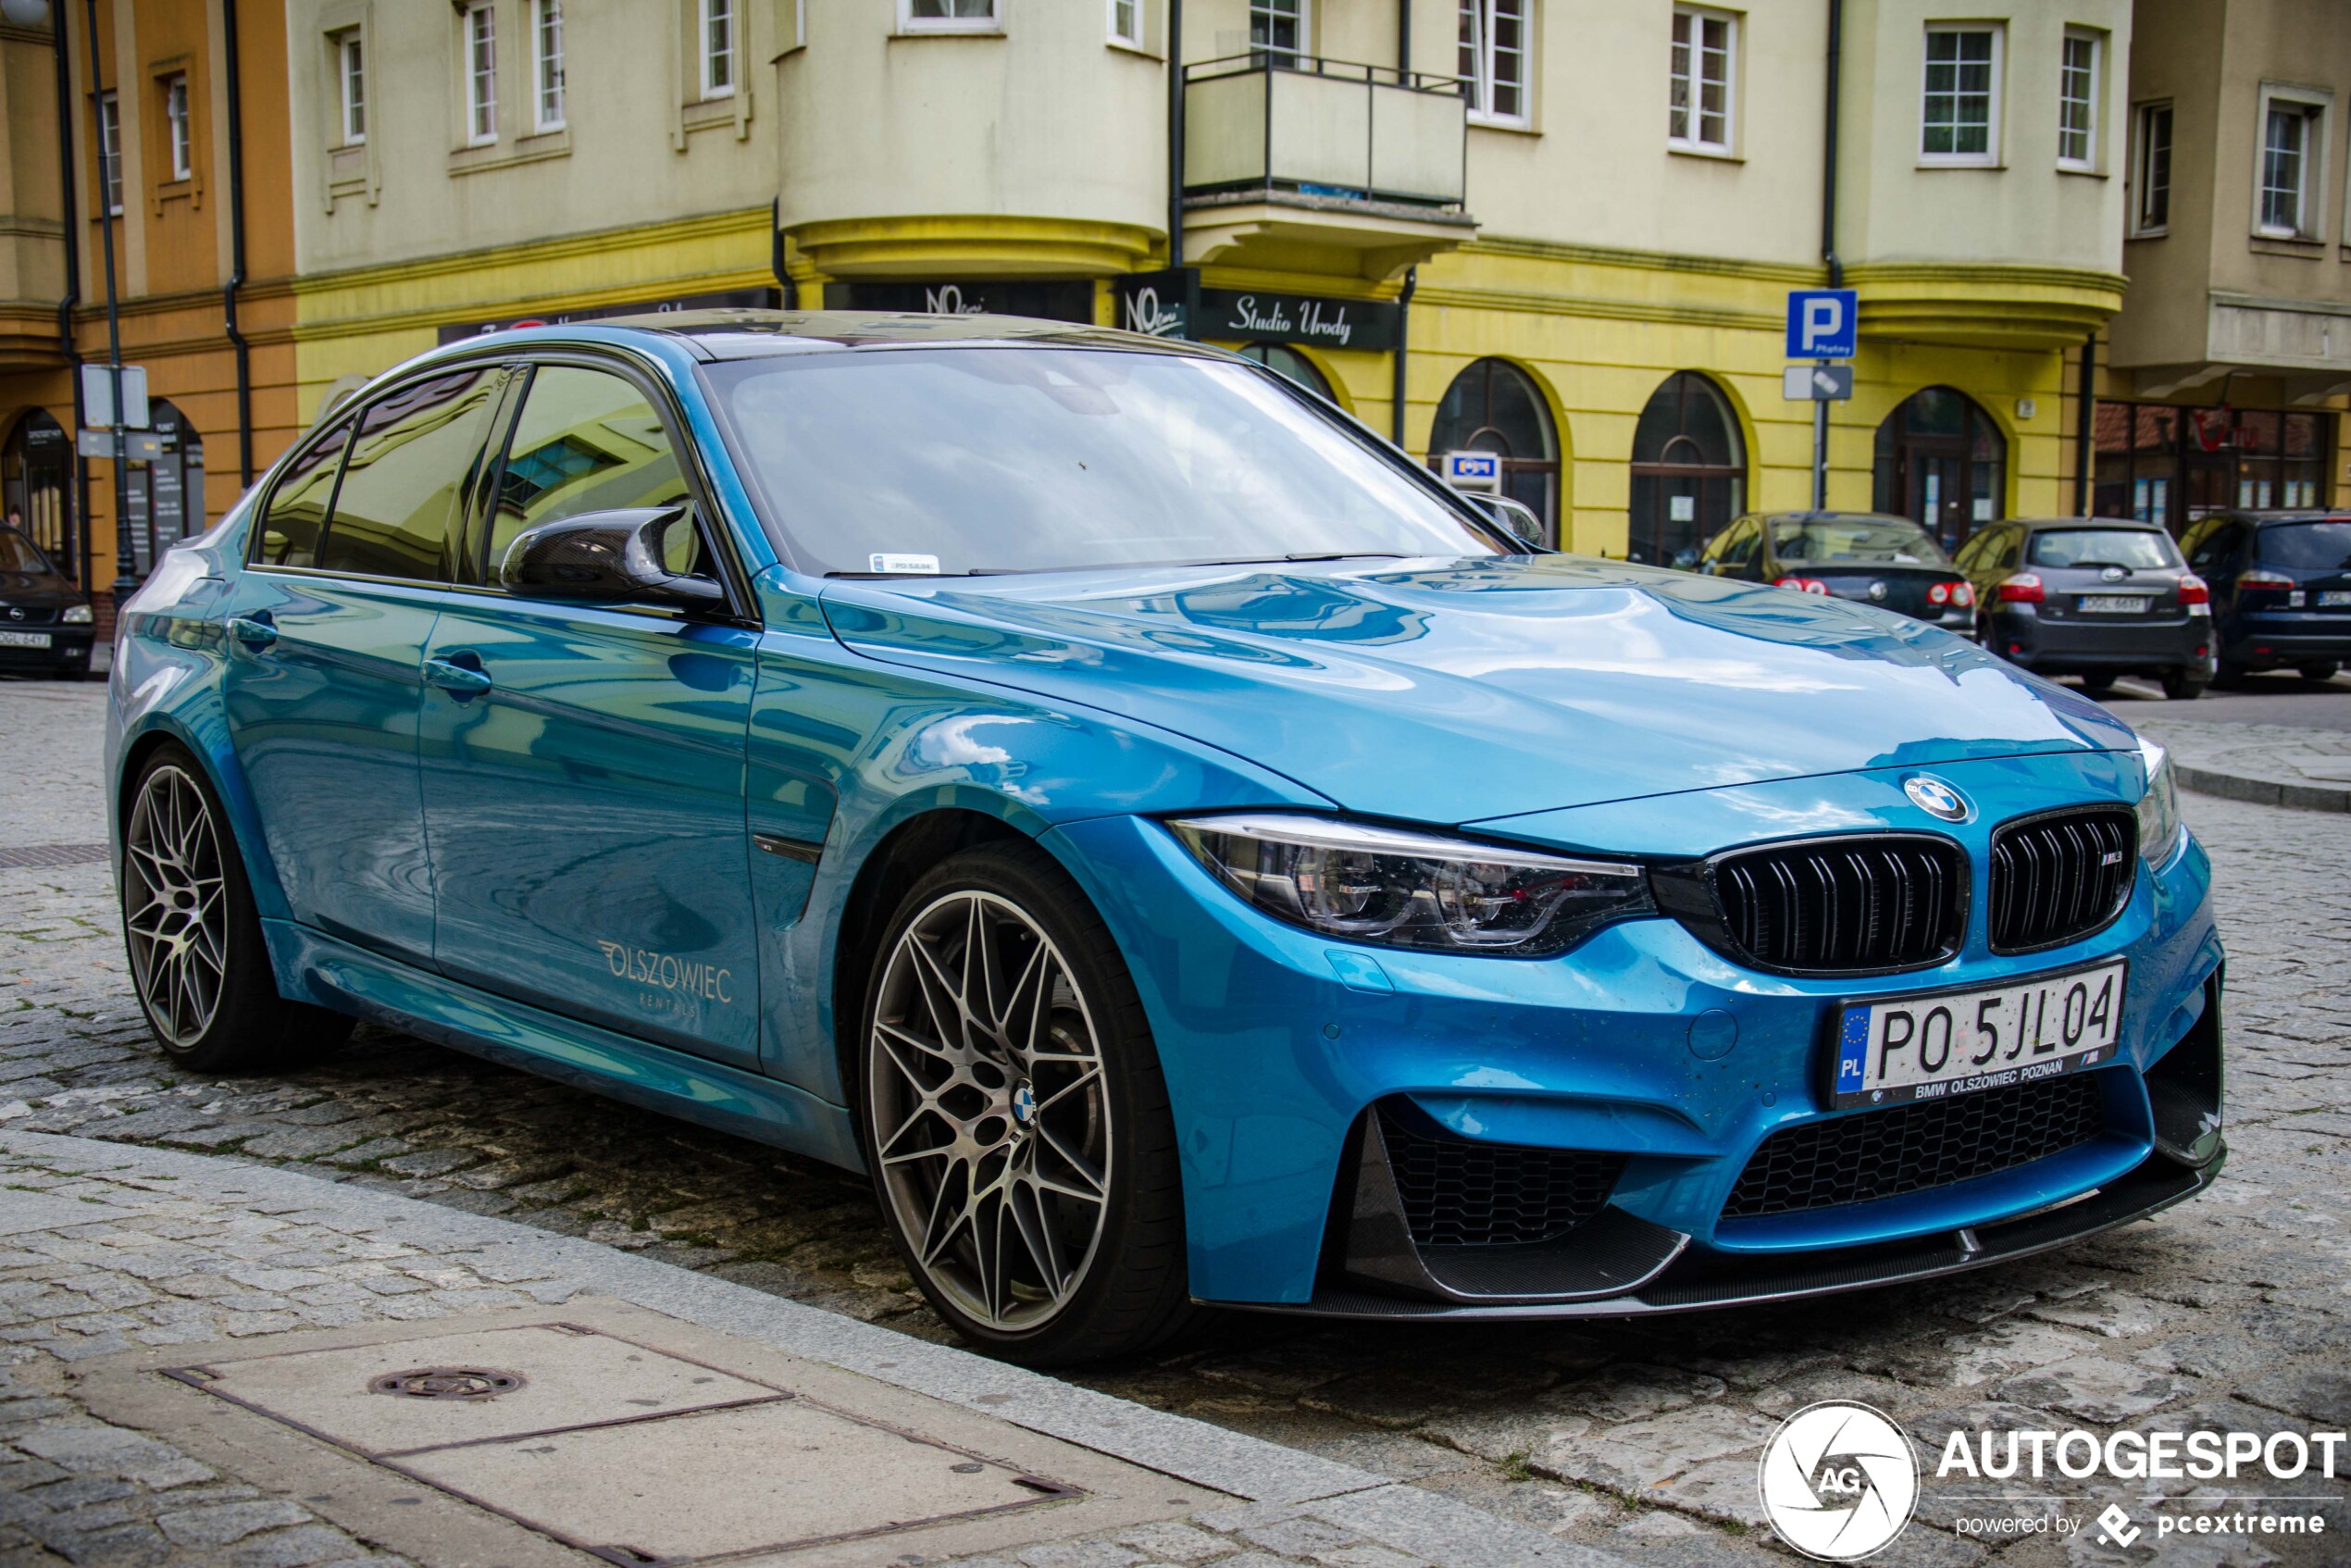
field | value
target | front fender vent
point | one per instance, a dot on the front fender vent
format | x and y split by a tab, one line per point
1458	1193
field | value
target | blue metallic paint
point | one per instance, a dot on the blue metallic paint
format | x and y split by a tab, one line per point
1557	701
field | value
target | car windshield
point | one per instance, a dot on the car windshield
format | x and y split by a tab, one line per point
17	555
1825	542
2322	546
2139	549
989	459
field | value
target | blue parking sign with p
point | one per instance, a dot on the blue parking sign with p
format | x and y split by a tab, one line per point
1823	323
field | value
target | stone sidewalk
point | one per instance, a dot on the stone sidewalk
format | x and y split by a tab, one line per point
106	1250
2271	765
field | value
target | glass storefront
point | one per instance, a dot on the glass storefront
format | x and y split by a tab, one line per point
2171	466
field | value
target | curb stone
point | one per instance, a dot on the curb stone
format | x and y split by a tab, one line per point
1272	1483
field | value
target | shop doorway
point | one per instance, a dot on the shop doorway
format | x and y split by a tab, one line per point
1689	471
1942	462
1494	406
36	489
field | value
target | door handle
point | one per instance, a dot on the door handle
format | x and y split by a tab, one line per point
255	634
461	679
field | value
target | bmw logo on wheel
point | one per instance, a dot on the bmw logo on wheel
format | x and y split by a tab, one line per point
1935	798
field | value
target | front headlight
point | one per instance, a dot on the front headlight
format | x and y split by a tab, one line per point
76	615
2158	809
1367	883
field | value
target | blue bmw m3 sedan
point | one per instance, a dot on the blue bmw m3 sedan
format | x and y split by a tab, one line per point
1182	853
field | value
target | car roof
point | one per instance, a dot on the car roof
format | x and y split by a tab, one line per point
754	333
2302	514
1836	518
2037	524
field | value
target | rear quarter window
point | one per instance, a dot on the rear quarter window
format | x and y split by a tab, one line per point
296	514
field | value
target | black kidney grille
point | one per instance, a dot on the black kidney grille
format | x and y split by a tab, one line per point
1458	1193
2057	878
1912	1147
1856	904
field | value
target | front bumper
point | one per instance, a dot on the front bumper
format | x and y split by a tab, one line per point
1281	1050
68	651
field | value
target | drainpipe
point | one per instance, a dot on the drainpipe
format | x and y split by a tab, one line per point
1828	237
1175	142
236	251
2083	428
1403	313
59	34
126	582
1403	43
786	294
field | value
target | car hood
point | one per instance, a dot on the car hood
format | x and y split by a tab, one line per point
1452	691
37	588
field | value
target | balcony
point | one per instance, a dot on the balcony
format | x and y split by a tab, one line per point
1302	164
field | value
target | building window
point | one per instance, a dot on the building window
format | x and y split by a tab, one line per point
481	73
351	71
2177	466
175	124
1278	27
1495	407
946	16
547	64
2151	204
2078	103
719	48
2293	154
1704	45
110	151
1127	22
1493	60
1961	104
1689	471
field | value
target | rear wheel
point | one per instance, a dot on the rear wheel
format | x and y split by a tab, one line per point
2317	670
197	961
2183	685
2099	685
1014	1117
2229	675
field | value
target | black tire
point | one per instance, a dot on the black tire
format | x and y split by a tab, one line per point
2228	676
2317	670
1128	1292
2099	685
209	1019
2183	685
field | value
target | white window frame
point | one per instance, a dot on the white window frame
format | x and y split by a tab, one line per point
547	65
177	131
110	151
351	71
2317	106
710	17
992	22
2087	162
1305	20
2142	166
1696	142
479	27
1131	36
1994	107
1479	85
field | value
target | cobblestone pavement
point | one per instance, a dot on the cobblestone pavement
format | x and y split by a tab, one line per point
2233	1312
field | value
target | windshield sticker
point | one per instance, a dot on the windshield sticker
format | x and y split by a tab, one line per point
919	566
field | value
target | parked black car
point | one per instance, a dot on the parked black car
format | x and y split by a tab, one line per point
2097	597
1889	561
45	624
2280	588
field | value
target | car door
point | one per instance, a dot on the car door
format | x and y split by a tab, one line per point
348	569
583	765
2213	547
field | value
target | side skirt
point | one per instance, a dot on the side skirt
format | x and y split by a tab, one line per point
314	968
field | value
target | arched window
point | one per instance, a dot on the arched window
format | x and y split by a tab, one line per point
37	487
1290	363
1689	470
166	495
1493	406
1942	462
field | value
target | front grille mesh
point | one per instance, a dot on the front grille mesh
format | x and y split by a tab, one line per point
1854	905
2056	879
1458	1193
1911	1147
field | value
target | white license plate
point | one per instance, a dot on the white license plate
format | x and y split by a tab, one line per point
2333	598
2113	604
24	640
1959	1042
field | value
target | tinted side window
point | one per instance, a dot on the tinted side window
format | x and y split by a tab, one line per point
2215	549
1740	549
408	458
587	440
297	510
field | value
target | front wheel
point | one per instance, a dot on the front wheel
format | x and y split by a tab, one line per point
1014	1118
197	961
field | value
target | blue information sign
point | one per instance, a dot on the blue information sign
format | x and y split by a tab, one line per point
1823	323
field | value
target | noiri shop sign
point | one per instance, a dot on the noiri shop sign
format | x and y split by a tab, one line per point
1169	304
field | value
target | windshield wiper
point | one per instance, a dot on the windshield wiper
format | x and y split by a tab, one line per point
1338	555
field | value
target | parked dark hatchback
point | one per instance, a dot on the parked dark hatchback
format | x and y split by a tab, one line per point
1889	561
2280	588
45	624
2097	597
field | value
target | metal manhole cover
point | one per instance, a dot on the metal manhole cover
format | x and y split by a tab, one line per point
448	1383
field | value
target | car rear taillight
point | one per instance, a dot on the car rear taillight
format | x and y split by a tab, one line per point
1959	594
1963	595
2263	580
1802	584
2193	590
2024	588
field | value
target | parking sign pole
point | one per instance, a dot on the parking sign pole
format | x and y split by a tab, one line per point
1820	453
